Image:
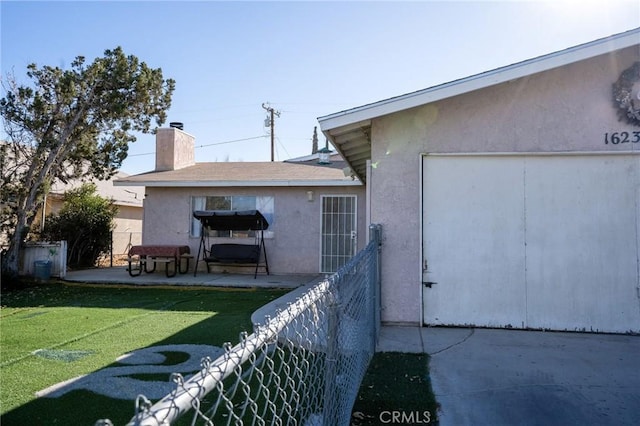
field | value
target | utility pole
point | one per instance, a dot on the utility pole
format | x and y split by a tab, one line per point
271	121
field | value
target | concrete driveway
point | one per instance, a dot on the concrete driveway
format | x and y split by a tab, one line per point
509	377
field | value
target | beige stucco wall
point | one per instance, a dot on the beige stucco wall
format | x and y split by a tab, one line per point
127	229
174	149
295	245
565	109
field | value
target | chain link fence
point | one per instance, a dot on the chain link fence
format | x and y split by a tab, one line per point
302	367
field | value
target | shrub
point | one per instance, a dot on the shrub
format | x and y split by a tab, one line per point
85	222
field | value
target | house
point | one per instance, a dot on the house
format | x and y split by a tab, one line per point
127	223
127	229
315	211
509	198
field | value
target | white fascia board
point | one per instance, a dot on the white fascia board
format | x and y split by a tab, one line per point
229	184
127	203
480	81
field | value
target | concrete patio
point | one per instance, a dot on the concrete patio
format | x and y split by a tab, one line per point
120	275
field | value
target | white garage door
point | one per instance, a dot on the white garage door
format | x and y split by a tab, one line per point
546	241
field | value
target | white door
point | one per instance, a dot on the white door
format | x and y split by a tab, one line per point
531	241
582	246
338	239
472	241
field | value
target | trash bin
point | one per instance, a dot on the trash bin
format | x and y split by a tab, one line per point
42	269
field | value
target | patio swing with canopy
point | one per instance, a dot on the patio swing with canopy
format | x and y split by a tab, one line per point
228	253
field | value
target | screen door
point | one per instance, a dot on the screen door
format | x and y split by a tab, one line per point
338	231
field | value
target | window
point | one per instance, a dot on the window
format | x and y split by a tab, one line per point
233	202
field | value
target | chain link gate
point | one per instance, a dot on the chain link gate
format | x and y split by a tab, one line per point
302	367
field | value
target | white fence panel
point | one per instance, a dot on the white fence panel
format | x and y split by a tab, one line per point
55	251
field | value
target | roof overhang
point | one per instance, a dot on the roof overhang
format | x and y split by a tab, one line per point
239	183
353	142
350	130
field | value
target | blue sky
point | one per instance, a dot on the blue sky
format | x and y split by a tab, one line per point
307	59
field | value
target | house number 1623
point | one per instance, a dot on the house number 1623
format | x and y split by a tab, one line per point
621	137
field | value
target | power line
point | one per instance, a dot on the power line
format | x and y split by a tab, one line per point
233	141
283	147
206	145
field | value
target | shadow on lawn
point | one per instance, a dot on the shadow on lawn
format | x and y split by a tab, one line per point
60	293
110	392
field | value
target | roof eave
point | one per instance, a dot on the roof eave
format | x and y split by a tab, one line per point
345	124
229	184
479	81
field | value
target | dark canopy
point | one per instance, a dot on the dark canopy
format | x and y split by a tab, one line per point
228	220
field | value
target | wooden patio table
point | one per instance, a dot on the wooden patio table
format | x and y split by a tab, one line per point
162	253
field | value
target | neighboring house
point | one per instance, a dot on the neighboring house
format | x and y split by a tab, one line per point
315	211
509	198
127	223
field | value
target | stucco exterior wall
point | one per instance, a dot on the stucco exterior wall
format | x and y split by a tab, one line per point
565	109
128	228
295	245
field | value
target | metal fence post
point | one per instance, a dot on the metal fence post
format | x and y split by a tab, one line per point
111	249
330	411
375	234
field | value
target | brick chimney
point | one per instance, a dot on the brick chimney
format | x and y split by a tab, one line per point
174	148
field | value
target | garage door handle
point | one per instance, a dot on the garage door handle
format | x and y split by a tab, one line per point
428	283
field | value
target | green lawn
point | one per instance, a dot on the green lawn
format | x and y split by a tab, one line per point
51	333
396	390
